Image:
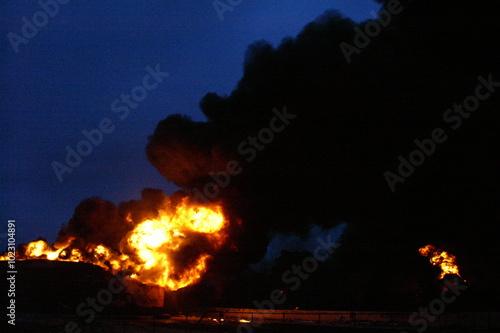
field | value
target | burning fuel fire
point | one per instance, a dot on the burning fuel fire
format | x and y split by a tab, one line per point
443	259
153	252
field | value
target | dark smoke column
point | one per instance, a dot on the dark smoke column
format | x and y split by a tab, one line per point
354	120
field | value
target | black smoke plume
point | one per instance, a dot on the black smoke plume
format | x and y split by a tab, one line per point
353	121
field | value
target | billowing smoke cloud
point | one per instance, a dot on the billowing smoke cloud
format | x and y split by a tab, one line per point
96	221
353	121
185	151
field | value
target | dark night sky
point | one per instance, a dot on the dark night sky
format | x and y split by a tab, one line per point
66	77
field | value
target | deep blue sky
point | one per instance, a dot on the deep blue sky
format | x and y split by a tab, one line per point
66	77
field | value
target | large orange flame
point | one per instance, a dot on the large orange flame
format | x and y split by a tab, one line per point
443	259
152	252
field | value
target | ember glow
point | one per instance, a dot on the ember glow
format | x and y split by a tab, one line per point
443	259
154	251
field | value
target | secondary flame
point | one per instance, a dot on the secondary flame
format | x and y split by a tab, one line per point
443	259
171	250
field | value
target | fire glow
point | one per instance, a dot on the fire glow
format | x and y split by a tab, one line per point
154	251
443	259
